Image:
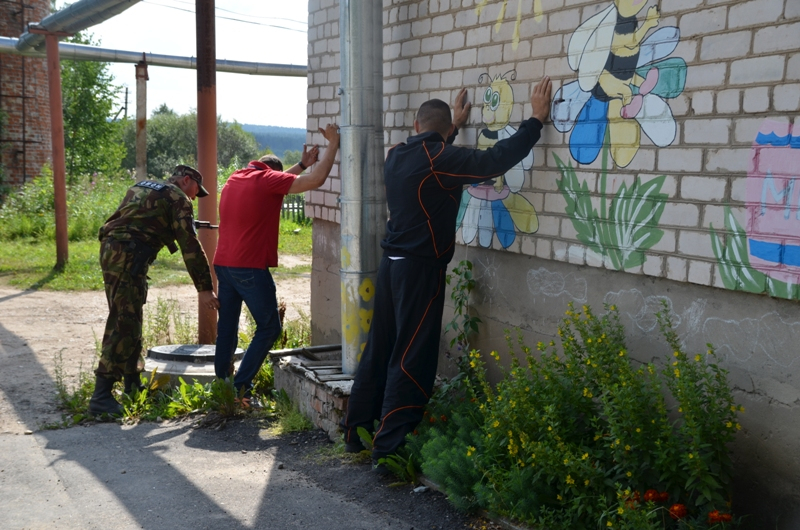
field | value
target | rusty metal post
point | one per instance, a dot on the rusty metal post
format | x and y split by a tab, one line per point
141	120
59	158
207	148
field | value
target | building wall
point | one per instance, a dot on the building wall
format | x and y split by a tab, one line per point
25	145
688	195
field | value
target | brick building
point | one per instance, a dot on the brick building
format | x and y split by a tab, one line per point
25	141
679	192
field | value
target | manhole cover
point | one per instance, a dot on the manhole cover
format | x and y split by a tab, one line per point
188	353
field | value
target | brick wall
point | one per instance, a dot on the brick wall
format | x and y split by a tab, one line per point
742	69
25	144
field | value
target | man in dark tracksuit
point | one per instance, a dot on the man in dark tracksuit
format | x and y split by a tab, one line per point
424	180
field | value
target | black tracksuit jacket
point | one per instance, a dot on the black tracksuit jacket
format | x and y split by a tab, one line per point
425	178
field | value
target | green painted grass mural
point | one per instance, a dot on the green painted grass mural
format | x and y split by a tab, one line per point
625	226
734	263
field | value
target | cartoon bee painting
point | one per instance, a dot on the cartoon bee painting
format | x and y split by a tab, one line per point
623	82
496	207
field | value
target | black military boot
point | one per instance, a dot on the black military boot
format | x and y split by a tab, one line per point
102	401
133	382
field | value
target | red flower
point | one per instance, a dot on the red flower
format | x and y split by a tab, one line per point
663	496
433	420
443	417
713	517
651	496
636	496
725	518
415	432
677	511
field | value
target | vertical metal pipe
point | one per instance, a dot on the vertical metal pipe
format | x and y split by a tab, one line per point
59	160
207	148
363	200
141	120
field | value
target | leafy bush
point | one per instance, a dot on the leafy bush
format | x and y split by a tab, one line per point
29	212
582	437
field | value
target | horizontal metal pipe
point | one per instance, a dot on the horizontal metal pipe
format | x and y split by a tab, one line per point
74	18
83	52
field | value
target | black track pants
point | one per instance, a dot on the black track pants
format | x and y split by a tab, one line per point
396	373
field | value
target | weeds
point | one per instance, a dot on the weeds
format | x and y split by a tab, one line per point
75	399
290	418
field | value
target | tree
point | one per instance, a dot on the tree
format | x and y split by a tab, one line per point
91	138
172	140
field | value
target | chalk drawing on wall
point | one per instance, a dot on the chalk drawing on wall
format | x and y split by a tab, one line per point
765	257
641	309
625	226
497	207
740	340
542	282
624	80
537	16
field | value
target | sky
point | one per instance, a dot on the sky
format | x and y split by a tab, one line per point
265	31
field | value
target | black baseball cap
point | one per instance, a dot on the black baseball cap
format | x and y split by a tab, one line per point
183	171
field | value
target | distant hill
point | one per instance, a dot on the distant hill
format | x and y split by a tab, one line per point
279	139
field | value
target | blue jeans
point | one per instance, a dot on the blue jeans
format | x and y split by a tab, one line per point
255	288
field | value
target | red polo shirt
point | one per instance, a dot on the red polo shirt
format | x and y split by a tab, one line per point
249	216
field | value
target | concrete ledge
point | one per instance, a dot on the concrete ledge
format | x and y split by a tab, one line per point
316	385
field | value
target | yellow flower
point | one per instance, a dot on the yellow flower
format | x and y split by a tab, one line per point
738	427
585	456
570	480
618	441
691	455
638	429
620	510
470	451
472	364
697	358
729	425
627	447
608	524
549	428
680	409
675	363
566	461
741	408
558	497
586	482
613	308
496	424
589	341
676	354
677	373
629	474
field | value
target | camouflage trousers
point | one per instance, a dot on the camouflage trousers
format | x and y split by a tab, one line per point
126	294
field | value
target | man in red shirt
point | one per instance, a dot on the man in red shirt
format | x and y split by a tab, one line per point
249	215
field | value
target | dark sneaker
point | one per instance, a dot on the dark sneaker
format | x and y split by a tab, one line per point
380	469
353	447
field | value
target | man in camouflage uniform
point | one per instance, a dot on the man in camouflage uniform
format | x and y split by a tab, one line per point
152	215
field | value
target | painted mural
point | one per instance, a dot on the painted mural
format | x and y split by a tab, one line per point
624	80
537	16
624	226
764	257
497	207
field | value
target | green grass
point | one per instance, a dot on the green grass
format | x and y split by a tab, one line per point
28	263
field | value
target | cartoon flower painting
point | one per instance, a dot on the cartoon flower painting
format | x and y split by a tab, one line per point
497	207
624	80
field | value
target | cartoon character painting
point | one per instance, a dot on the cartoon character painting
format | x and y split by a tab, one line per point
496	207
623	82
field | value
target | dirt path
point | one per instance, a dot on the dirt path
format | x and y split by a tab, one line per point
36	327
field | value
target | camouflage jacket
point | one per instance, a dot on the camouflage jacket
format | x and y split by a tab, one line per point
156	214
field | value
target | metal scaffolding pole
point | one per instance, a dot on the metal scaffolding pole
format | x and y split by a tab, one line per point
141	121
207	149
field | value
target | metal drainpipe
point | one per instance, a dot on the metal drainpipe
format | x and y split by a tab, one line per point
141	120
207	149
363	199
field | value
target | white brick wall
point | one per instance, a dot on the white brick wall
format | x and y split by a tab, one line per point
743	62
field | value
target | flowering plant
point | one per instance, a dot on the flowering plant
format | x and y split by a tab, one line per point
582	437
